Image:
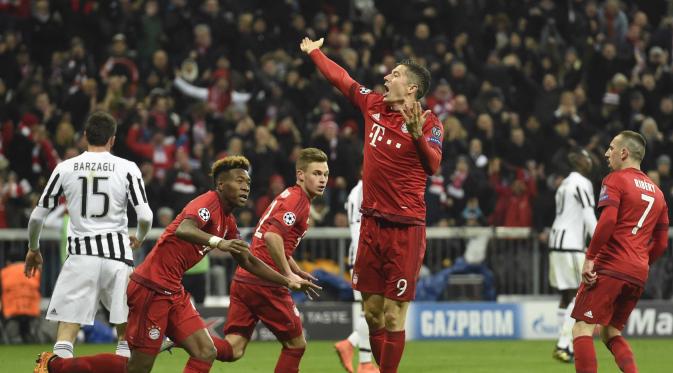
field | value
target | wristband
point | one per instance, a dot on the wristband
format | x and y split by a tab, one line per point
214	241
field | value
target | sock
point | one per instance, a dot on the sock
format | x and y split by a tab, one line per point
354	338
289	359
123	349
197	366
364	346
224	350
376	339
585	355
64	349
623	354
560	318
567	328
391	354
102	363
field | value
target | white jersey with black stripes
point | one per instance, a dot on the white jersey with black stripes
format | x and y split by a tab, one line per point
575	217
353	204
97	187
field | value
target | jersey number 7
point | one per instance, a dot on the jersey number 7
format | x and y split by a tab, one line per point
650	202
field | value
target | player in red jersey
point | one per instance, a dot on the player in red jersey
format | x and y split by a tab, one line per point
403	146
158	303
632	232
278	233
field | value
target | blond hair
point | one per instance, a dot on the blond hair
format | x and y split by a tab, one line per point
310	155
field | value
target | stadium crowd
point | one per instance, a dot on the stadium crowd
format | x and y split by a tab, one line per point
517	84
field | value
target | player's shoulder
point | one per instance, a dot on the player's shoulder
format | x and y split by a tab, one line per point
125	164
208	199
290	195
579	179
364	93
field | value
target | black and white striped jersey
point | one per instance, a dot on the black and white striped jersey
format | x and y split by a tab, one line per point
353	204
96	186
575	217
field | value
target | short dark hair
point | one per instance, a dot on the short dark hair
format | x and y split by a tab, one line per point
225	164
100	127
310	155
419	75
636	144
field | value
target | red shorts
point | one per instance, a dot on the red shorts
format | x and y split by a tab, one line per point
608	302
153	315
272	305
389	258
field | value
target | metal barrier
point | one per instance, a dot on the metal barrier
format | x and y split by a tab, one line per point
517	258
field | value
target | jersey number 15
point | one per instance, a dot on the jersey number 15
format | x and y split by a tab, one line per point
95	191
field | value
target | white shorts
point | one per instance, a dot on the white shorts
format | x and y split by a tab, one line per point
565	269
357	296
85	281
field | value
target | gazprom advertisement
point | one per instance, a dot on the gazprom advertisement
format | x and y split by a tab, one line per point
432	320
521	320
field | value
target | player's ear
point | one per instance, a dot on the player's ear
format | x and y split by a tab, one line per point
300	175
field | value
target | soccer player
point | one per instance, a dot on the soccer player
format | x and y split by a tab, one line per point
359	337
403	146
97	186
159	305
276	236
632	233
575	222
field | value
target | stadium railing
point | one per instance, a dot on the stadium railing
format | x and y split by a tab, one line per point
517	258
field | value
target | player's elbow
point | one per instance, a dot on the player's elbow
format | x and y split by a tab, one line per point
183	230
145	214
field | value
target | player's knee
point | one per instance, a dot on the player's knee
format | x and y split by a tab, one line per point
608	333
206	353
136	366
392	319
374	319
296	343
237	352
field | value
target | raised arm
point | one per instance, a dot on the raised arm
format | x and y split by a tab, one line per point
334	73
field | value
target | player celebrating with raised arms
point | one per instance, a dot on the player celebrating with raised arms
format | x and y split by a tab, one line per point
403	146
632	232
277	235
158	303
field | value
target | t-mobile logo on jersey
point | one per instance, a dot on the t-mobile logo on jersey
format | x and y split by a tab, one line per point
377	133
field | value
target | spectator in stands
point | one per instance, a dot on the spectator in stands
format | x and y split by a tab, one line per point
19	300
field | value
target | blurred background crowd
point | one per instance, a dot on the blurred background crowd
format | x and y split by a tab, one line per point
517	84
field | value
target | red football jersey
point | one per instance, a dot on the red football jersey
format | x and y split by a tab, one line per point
393	177
170	257
286	216
641	210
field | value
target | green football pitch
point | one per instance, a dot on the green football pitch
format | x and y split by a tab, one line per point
652	356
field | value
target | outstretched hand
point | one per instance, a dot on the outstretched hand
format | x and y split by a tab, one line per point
307	45
414	117
233	246
297	283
